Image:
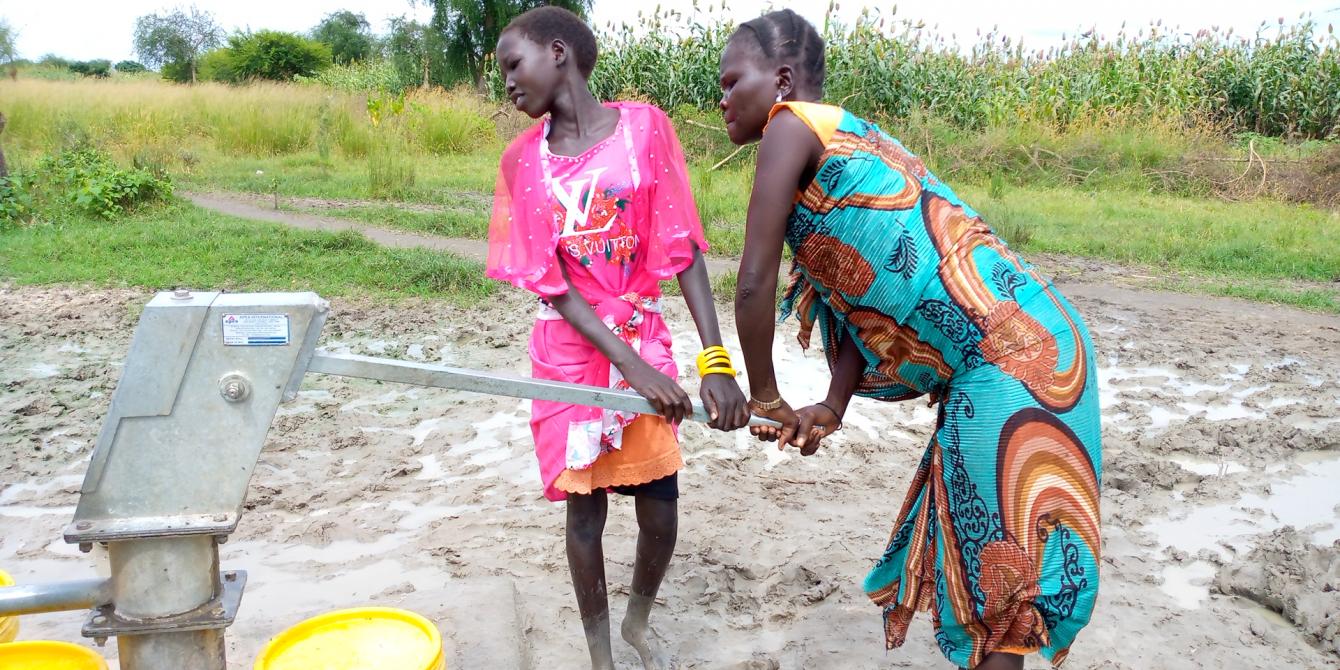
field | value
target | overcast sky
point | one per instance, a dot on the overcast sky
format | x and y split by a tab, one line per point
87	29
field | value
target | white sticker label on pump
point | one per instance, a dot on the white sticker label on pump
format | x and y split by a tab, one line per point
255	330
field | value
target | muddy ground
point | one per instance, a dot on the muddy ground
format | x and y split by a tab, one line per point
1220	498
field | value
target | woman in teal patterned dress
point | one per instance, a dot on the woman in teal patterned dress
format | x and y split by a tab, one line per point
998	537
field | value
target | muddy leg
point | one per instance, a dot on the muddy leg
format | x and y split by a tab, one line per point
658	525
1000	661
586	561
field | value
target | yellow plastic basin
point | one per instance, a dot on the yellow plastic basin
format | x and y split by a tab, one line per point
44	655
366	638
9	625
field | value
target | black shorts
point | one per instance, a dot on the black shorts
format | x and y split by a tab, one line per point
665	488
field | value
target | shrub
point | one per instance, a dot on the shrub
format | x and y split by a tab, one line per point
273	55
100	68
16	200
447	130
213	65
81	179
52	60
358	77
178	72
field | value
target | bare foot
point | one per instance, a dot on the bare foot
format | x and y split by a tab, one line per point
647	643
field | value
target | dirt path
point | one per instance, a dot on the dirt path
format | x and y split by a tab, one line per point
1221	449
244	208
253	208
1064	268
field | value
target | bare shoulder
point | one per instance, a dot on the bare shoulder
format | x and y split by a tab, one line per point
787	131
787	123
788	141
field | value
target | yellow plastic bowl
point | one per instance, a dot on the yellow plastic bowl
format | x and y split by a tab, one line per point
44	655
365	638
9	626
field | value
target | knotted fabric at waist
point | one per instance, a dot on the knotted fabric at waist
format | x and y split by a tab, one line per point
618	313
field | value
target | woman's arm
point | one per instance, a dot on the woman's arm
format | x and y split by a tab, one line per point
788	151
825	417
847	373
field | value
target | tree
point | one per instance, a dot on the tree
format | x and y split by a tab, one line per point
176	38
8	42
213	65
130	66
52	60
101	68
269	54
9	50
469	29
416	52
348	35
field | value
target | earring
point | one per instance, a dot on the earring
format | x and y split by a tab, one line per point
779	95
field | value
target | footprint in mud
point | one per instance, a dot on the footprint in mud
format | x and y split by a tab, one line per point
1288	574
758	662
284	425
791	587
745	600
37	406
349	439
260	496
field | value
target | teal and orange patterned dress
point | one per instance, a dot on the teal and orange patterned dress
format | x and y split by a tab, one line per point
999	535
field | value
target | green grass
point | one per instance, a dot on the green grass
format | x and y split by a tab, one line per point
723	197
1260	239
183	246
1247	250
1318	299
438	180
1262	249
461	184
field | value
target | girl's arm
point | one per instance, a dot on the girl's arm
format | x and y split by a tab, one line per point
665	396
789	148
720	393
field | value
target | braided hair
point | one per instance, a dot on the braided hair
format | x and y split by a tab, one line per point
786	38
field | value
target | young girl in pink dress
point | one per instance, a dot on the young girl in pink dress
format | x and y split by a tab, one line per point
592	212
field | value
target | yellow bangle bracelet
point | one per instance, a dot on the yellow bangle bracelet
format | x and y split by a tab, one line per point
704	370
715	360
